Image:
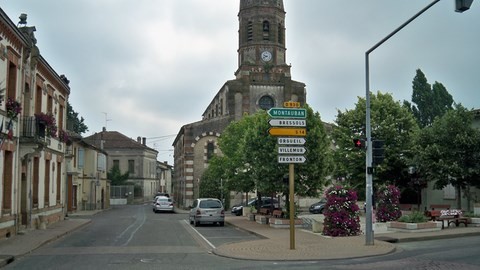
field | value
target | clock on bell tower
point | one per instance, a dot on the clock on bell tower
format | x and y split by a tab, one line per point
262	40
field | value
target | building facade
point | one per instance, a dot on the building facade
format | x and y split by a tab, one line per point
87	185
131	156
33	118
262	81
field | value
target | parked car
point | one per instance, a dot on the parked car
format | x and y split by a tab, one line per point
163	204
207	210
317	208
161	194
266	202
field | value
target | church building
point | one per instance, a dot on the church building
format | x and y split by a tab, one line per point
262	81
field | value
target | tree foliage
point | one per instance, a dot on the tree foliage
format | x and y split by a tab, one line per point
448	152
116	177
74	122
391	122
211	182
250	158
429	101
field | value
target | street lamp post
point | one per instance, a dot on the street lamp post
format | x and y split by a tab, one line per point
460	6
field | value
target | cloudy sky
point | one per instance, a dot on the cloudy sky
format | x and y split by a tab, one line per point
147	67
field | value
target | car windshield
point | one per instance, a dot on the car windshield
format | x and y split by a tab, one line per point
210	204
164	200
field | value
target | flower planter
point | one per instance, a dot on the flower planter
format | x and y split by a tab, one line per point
474	222
414	227
282	223
476	209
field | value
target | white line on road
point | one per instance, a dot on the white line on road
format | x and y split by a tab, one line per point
201	236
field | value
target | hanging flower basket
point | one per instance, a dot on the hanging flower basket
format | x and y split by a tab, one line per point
14	108
48	120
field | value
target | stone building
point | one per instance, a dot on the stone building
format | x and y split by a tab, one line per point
131	156
32	118
262	81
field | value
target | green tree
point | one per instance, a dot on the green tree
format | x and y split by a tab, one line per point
390	122
74	123
429	101
116	177
251	157
235	166
211	182
448	152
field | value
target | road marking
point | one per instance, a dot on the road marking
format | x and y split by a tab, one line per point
199	234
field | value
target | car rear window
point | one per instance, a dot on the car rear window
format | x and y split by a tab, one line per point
210	204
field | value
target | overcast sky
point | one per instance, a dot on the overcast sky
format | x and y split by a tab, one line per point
147	67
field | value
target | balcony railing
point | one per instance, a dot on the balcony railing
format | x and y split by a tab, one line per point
32	130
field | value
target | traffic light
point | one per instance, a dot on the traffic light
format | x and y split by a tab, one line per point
359	143
378	151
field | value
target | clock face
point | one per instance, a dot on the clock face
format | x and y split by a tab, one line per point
266	56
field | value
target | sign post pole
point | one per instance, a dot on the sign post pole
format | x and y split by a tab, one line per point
291	169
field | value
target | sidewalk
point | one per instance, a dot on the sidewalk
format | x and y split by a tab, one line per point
314	246
29	240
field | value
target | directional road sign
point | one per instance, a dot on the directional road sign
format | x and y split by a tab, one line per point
276	131
287	113
291	159
278	122
291	104
292	150
291	140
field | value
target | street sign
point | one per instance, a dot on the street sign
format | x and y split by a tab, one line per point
287	113
292	150
276	131
278	122
291	159
291	104
291	140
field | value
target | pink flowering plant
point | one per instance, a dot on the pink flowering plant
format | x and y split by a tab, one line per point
63	136
388	198
13	108
50	123
342	217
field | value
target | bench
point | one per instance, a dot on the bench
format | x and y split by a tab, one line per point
264	211
453	216
277	213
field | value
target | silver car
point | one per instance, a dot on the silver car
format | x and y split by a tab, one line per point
163	204
207	210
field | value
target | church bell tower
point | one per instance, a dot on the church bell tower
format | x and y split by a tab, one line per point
262	51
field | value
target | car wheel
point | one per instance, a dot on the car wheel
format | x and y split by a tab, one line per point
221	224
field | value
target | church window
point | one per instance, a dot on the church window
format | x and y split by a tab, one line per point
266	30
250	31
266	102
280	34
210	150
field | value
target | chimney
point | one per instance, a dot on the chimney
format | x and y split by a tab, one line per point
139	139
144	141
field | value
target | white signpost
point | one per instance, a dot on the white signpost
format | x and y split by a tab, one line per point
277	122
290	123
291	140
291	159
299	150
